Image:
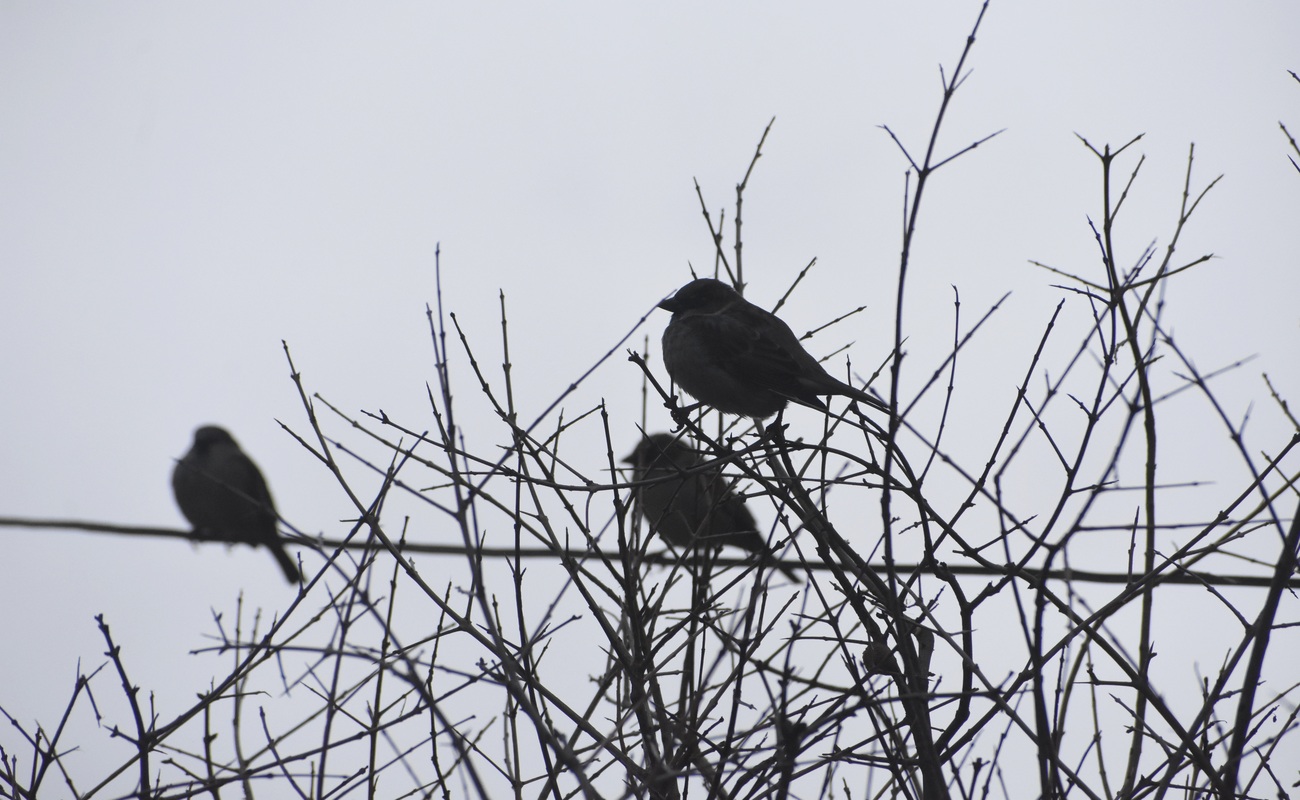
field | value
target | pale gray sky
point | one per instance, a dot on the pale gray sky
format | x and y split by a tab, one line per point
182	186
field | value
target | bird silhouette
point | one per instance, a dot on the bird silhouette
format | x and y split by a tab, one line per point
732	355
692	509
224	496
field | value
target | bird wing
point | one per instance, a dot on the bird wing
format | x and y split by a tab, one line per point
753	346
247	479
778	362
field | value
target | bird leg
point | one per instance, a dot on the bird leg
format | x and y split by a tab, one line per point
201	534
680	413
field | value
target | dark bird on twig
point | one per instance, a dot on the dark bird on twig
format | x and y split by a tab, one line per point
224	496
740	359
691	507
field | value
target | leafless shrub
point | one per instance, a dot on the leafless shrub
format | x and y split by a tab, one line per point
992	628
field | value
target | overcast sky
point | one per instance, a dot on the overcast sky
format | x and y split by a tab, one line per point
184	186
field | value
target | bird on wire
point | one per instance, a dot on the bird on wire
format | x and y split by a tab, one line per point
690	507
224	496
732	355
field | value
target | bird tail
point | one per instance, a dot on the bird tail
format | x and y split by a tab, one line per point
788	572
286	562
861	396
754	542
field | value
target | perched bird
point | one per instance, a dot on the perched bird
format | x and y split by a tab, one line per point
730	354
224	496
691	510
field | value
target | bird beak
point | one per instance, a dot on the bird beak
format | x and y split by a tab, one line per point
630	459
668	304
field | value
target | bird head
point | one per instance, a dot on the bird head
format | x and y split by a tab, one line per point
210	435
704	295
660	449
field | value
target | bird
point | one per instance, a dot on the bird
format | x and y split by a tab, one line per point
732	355
224	496
692	510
